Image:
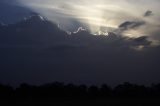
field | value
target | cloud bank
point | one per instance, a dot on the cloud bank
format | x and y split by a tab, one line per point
36	51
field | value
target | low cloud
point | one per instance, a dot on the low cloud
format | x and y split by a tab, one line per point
131	25
148	13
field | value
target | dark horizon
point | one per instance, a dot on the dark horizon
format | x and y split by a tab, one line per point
61	90
61	94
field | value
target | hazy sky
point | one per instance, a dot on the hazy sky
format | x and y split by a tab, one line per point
102	15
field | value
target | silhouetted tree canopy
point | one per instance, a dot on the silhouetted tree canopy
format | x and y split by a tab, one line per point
56	90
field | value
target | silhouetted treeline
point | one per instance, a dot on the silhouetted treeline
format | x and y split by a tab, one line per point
56	90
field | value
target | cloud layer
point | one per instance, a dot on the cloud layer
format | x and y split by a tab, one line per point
37	51
100	14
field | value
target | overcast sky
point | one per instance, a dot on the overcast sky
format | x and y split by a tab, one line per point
41	52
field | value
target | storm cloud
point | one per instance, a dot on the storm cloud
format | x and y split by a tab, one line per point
36	51
57	42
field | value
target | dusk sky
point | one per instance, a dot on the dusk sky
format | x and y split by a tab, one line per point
102	14
80	41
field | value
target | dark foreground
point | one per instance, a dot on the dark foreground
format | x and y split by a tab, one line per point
59	94
85	102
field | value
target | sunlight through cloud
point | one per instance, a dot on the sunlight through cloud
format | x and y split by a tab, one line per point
99	14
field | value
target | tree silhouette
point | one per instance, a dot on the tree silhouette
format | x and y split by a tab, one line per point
59	90
105	91
6	91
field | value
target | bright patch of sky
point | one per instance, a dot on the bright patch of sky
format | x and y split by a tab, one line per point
101	15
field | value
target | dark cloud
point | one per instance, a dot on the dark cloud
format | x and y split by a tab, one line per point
148	13
10	12
131	25
143	40
37	51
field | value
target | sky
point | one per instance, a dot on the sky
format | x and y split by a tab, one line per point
101	16
111	41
